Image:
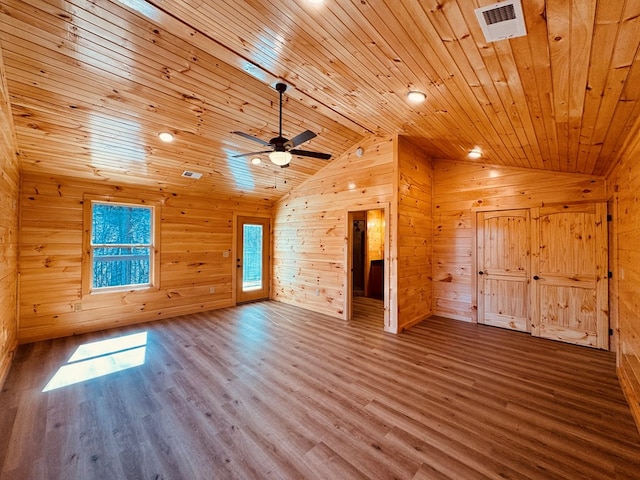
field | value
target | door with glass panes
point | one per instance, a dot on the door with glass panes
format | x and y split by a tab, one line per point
252	261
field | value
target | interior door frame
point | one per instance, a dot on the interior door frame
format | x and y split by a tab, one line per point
265	292
613	295
390	320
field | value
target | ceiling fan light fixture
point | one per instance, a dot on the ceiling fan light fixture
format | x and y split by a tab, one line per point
280	158
415	96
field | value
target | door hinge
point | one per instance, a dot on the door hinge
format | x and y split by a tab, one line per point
610	331
610	274
609	218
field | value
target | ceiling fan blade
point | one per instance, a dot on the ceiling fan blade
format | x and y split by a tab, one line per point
251	137
306	153
251	154
301	138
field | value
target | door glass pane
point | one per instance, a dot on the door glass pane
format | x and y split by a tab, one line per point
252	257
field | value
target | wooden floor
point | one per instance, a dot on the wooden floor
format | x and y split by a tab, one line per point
267	390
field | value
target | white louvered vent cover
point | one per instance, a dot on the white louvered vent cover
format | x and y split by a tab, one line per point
189	174
502	20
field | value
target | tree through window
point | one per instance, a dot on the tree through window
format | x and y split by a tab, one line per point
121	245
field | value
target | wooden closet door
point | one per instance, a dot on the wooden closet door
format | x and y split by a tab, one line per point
503	260
569	267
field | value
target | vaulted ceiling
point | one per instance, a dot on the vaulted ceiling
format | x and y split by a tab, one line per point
93	82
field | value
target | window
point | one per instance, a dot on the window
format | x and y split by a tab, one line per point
120	246
252	255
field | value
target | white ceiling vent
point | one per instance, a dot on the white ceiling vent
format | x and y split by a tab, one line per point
189	174
502	20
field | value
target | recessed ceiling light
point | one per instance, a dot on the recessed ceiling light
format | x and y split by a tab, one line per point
475	153
256	161
315	1
165	136
414	96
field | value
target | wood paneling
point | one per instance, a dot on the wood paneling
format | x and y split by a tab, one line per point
92	84
93	103
195	233
267	390
309	226
414	234
460	189
375	234
624	181
9	182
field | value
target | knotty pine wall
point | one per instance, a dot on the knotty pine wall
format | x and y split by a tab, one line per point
309	231
195	232
309	226
460	188
9	182
414	233
624	183
375	234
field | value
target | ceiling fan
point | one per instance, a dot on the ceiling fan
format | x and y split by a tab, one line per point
282	149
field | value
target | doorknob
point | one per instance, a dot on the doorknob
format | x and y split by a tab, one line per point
536	277
480	272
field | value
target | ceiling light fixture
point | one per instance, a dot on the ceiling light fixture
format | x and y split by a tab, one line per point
165	136
256	161
280	158
475	154
414	96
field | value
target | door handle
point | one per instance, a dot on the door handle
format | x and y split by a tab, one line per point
480	272
536	277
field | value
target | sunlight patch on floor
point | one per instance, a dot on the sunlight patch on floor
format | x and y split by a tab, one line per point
97	359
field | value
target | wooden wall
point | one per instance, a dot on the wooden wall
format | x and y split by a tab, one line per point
414	233
459	188
309	226
375	234
195	233
624	183
9	178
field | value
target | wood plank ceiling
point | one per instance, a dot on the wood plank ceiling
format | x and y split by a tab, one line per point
92	82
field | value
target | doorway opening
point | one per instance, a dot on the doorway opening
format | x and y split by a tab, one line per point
367	249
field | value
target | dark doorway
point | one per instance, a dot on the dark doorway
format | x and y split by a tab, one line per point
358	254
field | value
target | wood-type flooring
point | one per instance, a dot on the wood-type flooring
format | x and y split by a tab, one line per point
271	391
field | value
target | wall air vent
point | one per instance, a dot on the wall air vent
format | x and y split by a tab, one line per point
194	175
502	20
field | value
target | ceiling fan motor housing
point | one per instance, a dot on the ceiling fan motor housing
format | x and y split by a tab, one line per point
281	144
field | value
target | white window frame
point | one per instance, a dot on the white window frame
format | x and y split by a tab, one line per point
87	260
